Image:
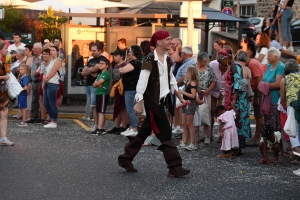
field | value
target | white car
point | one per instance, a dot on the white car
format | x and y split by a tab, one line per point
257	22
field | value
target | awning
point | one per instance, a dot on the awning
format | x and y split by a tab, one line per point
158	10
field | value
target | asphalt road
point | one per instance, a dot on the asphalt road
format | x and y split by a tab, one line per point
69	163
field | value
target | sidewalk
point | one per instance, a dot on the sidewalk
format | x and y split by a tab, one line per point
76	111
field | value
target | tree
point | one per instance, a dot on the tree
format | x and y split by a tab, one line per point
51	24
14	20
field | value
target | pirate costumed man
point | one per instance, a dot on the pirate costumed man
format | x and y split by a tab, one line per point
154	85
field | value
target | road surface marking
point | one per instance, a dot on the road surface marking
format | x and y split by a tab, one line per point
82	124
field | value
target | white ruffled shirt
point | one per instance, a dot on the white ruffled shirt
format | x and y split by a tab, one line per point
163	80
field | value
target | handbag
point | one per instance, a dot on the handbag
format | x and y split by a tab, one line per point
202	114
291	125
13	85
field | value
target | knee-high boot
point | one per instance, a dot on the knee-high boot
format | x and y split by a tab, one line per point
131	149
173	159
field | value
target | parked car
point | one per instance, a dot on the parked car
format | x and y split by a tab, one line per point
295	31
248	29
257	22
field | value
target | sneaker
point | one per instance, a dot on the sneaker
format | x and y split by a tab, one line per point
130	133
113	130
101	132
182	146
191	147
22	124
296	171
6	142
177	131
39	121
291	48
124	132
207	140
50	125
86	118
30	121
15	106
93	127
121	130
98	132
17	116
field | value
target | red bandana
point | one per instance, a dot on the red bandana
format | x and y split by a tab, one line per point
158	35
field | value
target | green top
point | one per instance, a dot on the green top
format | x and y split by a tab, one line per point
104	88
270	76
296	106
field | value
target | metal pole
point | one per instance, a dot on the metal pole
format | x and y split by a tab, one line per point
238	8
190	25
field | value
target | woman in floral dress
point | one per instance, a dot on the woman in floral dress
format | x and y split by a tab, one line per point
236	99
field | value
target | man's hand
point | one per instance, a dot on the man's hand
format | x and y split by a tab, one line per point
179	48
138	108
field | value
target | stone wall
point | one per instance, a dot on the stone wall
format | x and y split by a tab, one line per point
263	8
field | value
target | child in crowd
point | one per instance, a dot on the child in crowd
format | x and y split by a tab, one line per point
228	131
101	84
189	110
22	97
270	140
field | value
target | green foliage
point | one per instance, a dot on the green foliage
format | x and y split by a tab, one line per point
51	24
14	20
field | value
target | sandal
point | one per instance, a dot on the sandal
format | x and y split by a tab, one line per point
201	140
147	144
252	143
276	160
237	152
295	162
230	156
222	156
263	161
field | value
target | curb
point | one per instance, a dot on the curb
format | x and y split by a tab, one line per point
108	116
64	115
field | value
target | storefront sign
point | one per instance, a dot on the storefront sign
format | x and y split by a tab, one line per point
197	9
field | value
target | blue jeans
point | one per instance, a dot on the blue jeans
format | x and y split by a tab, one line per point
130	103
50	92
286	24
90	92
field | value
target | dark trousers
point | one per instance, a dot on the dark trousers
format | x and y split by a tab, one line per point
35	105
161	122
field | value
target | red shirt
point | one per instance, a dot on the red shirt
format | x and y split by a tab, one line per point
256	69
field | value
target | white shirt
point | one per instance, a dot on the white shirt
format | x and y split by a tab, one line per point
281	3
17	63
263	51
13	47
163	80
54	79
